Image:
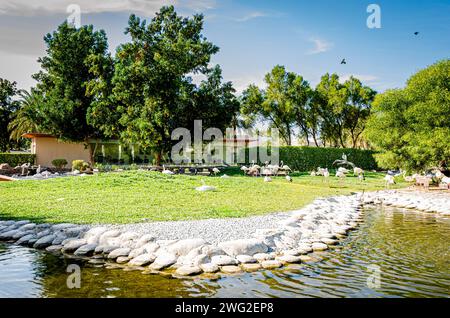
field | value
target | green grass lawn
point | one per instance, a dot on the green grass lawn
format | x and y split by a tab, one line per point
133	196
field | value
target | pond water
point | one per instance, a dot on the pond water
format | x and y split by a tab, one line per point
410	249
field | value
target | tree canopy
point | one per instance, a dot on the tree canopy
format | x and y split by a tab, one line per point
334	112
412	125
63	80
8	106
148	92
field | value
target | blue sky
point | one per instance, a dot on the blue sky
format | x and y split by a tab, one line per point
308	37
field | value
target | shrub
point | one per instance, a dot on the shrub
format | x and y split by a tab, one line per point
309	158
59	163
80	165
17	159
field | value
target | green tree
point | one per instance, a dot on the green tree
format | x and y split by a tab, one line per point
64	78
27	118
344	109
280	103
412	125
150	92
8	107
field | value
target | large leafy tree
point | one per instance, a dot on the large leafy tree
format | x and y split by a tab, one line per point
412	125
344	109
149	92
64	78
8	106
283	103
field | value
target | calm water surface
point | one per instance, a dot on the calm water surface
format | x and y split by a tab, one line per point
411	250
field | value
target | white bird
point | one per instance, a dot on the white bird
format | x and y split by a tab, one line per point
288	178
46	174
313	174
326	174
286	168
389	180
445	180
216	170
267	179
205	187
361	177
168	172
340	174
357	171
320	171
409	178
343	170
39	169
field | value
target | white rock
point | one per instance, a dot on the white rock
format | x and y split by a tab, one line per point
243	247
73	244
260	257
44	242
183	247
123	251
164	260
187	270
209	268
270	264
245	259
223	260
85	249
319	246
142	260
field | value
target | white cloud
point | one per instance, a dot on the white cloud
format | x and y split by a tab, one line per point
241	83
145	7
320	46
361	77
251	15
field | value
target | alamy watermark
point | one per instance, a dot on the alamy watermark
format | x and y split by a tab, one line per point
374	19
74	278
74	17
235	146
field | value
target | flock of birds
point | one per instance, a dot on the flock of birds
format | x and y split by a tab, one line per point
267	170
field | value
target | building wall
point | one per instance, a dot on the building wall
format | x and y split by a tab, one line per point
49	148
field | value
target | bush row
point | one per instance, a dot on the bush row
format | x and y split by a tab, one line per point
303	158
16	159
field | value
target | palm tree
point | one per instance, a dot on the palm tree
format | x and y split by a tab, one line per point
26	119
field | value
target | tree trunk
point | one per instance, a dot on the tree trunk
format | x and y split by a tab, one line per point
158	158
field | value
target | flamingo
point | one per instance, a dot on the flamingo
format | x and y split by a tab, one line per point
326	174
320	171
168	172
361	177
341	175
409	178
205	187
343	170
357	171
389	180
267	179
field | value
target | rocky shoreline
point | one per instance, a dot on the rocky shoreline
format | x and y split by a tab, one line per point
315	227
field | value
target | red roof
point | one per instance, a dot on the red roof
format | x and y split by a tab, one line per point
34	135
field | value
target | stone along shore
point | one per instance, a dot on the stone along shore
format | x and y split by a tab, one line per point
313	228
429	202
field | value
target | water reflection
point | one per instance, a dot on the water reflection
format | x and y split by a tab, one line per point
411	249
